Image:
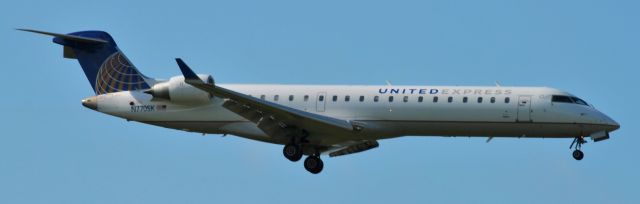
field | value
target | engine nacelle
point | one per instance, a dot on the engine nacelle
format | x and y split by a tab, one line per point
178	91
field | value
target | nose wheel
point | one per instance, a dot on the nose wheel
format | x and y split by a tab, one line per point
577	152
578	155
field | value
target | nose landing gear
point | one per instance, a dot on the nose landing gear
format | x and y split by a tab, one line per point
577	153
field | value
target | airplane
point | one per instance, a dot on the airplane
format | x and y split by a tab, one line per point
333	120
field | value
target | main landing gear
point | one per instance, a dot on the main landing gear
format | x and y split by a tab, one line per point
293	152
313	163
577	153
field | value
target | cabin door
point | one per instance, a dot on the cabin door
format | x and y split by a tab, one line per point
321	101
524	109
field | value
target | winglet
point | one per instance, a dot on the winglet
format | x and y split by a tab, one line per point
187	72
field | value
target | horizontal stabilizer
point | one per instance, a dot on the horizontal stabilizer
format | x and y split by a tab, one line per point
67	37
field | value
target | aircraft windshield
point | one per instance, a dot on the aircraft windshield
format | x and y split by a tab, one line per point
579	101
568	99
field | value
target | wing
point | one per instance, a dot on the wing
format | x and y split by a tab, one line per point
278	121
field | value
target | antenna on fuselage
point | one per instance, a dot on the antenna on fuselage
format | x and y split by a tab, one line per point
498	84
388	82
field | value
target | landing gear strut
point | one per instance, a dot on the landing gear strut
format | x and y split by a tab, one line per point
577	153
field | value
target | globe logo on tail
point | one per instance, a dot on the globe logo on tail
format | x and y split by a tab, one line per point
118	74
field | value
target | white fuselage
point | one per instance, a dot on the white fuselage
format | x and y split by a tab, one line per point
382	111
316	119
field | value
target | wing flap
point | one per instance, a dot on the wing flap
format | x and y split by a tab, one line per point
356	148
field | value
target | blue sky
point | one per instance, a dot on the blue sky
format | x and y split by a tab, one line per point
53	150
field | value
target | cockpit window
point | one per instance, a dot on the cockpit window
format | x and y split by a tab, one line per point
561	99
579	101
568	99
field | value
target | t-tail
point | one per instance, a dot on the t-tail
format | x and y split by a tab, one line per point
106	67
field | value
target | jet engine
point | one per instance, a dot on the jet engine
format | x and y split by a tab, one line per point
178	91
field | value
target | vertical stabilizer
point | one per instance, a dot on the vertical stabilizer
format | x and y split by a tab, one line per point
106	67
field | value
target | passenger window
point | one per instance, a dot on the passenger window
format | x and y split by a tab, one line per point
464	100
290	97
479	99
262	97
361	98
506	100
306	98
405	99
493	99
435	99
450	99
275	97
376	98
321	98
420	98
335	98
390	98
347	98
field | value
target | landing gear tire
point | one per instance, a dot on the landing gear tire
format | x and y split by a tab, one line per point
313	164
577	143
292	152
578	155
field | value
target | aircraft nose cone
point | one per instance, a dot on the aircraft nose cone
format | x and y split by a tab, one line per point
614	124
91	102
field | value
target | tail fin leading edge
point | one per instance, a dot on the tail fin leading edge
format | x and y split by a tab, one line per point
106	67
